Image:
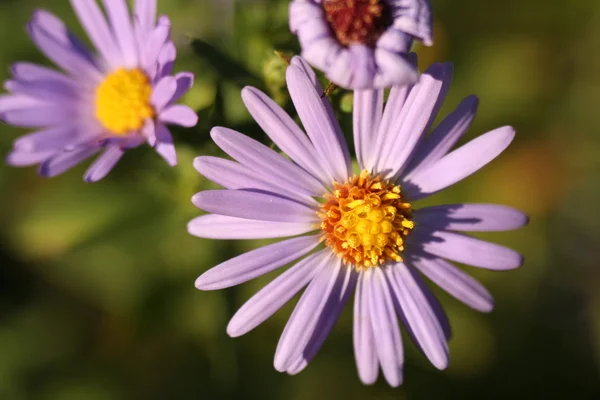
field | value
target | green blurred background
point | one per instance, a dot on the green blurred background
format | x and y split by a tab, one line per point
96	281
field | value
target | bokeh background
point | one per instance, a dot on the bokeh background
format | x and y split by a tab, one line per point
96	281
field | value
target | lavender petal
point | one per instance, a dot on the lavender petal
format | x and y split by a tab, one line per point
16	102
316	121
185	81
368	107
38	117
166	59
103	164
465	249
304	66
148	132
471	217
394	70
254	205
120	20
160	35
52	139
394	104
66	160
214	226
303	11
29	72
365	351
456	282
97	29
322	53
364	68
284	132
414	17
277	293
330	314
313	30
265	161
53	28
340	70
178	114
58	47
145	13
385	326
232	175
395	41
434	303
303	321
163	92
18	158
49	91
407	130
420	316
459	164
164	144
444	136
255	263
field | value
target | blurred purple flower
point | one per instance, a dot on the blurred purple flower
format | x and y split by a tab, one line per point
362	44
367	221
111	102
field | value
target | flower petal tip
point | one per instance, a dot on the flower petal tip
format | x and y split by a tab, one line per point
198	163
486	308
89	179
216	133
369	382
164	20
519	261
439	71
201	282
396	381
441	362
197	200
37	13
281	364
233	330
248	91
472	100
512	261
45	171
294	72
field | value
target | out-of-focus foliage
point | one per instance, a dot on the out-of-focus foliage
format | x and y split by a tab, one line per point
96	281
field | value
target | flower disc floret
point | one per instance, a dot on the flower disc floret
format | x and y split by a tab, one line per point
356	21
365	221
123	101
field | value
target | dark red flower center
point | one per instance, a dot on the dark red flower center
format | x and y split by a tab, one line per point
357	21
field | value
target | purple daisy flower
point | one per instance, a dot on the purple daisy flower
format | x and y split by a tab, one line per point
374	241
111	102
362	44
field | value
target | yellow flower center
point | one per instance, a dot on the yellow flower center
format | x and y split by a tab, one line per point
123	101
365	221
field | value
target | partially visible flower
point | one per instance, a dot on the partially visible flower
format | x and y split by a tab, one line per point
374	240
362	44
111	102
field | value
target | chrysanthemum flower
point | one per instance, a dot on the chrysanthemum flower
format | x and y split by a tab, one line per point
362	44
111	102
374	240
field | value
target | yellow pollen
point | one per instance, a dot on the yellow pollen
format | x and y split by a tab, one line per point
365	221
123	101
